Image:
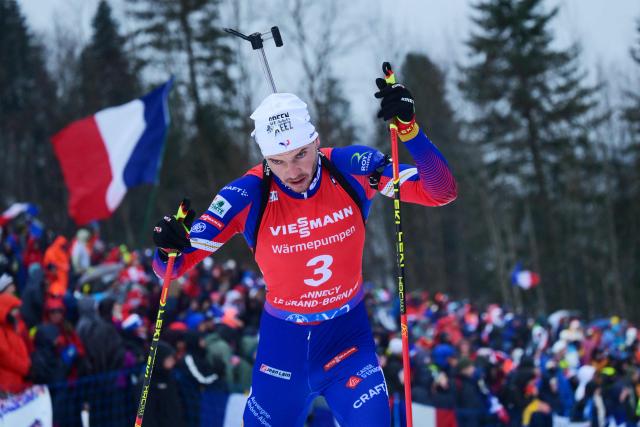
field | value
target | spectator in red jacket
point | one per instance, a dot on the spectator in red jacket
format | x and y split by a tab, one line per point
14	356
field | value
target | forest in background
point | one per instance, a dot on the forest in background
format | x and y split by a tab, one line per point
547	161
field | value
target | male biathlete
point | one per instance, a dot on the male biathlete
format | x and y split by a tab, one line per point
303	214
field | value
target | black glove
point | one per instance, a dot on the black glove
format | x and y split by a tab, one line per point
397	101
169	234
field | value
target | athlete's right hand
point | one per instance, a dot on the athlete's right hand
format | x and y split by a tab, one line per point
171	233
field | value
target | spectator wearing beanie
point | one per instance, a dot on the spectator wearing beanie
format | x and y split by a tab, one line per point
471	402
80	253
68	344
7	284
47	365
102	342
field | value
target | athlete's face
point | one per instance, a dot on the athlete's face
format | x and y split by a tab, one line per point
296	168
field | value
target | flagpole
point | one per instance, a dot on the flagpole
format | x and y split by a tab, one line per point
154	191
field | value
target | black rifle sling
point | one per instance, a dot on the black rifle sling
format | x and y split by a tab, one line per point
334	172
267	177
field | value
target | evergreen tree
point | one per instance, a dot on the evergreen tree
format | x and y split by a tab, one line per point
445	247
632	112
531	125
106	76
185	39
317	35
27	113
629	169
433	236
332	114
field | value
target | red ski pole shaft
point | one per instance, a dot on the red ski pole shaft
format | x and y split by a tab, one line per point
153	350
406	361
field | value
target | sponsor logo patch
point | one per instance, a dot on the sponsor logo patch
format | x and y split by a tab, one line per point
198	227
279	123
273	196
238	190
363	159
211	220
303	226
340	357
353	382
220	206
266	369
261	414
368	370
297	318
373	392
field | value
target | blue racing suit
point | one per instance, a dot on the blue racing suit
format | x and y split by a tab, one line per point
315	338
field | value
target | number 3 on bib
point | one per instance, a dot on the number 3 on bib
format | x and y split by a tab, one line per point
325	262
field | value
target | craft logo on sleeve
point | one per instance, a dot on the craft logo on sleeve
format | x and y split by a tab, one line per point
243	192
220	206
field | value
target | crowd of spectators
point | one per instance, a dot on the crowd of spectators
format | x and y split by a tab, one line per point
76	307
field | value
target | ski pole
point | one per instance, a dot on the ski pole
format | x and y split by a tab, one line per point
390	78
256	40
148	370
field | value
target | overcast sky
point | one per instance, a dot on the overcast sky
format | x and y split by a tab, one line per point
604	28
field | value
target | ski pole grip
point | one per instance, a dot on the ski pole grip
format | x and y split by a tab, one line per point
389	76
183	209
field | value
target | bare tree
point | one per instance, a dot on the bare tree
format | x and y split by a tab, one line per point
321	34
242	17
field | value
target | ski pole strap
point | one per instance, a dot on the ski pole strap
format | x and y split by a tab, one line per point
183	210
389	76
374	178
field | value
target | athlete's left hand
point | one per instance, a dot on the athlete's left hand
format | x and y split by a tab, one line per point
397	101
171	233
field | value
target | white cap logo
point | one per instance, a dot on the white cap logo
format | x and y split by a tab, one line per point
282	124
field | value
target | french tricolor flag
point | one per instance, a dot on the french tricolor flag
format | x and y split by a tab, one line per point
104	155
16	210
524	278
